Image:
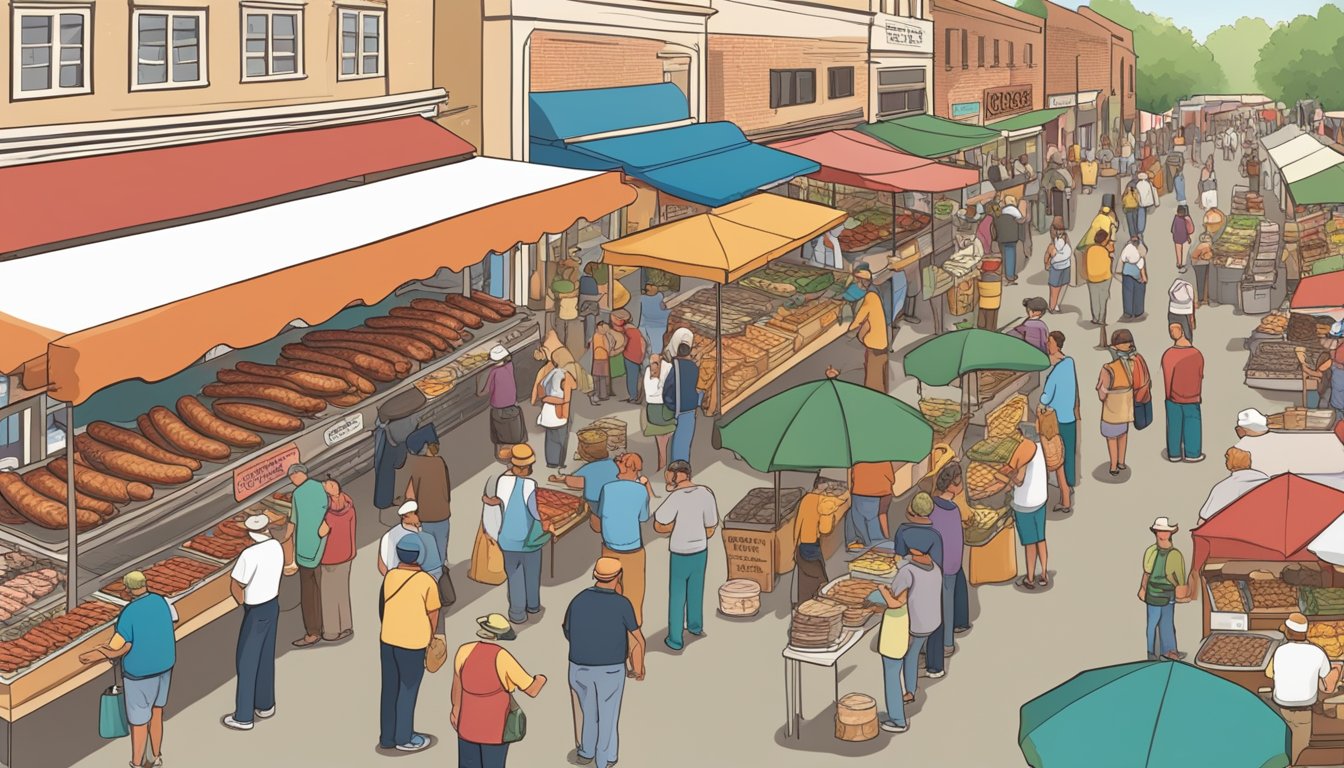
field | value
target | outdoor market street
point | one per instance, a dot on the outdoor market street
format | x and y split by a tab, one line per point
721	701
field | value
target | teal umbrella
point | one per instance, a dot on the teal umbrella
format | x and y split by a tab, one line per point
1151	714
828	423
942	359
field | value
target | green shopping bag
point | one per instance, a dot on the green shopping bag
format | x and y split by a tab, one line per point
112	723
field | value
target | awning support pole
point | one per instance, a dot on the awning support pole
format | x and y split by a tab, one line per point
72	545
718	349
778	513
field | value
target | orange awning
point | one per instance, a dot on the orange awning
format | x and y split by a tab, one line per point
147	306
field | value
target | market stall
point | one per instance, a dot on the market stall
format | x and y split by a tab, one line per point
169	448
988	367
776	314
1232	255
1309	177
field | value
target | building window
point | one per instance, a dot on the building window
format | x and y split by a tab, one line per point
841	82
272	44
1122	76
1026	56
361	44
1012	58
996	54
965	52
51	51
791	87
1131	78
900	91
169	50
947	48
980	51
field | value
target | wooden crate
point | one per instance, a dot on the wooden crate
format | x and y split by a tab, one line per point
778	347
751	556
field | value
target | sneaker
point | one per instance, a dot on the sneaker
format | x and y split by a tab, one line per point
960	630
936	675
949	650
892	727
416	744
1196	459
229	722
581	760
266	714
669	644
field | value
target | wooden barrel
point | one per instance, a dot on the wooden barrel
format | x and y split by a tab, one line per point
740	597
856	717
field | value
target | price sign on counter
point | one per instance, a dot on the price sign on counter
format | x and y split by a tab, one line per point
264	470
344	428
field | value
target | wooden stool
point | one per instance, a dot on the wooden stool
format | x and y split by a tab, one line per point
856	717
739	597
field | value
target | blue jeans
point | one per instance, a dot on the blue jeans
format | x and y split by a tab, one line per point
897	671
680	449
864	512
1141	216
255	660
599	691
935	648
557	440
686	595
1161	629
439	532
1009	251
523	572
473	755
1184	430
1133	293
961	606
1068	435
949	607
632	378
403	669
1132	222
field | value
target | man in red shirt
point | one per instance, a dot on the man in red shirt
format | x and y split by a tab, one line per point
633	353
1183	377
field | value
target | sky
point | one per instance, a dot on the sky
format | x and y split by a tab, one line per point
1204	16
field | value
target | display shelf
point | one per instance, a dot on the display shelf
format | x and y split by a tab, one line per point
818	344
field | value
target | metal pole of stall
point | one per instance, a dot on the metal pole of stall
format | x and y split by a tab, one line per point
778	512
718	349
72	546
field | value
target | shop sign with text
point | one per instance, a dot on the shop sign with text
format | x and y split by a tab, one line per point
255	475
1007	100
966	109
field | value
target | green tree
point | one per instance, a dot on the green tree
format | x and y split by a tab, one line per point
1236	47
1171	65
1303	59
1034	7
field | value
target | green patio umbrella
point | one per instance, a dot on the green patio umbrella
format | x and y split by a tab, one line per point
1151	714
942	359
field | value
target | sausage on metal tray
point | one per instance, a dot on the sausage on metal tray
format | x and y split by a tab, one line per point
55	488
471	305
378	363
282	396
39	509
312	383
213	428
100	484
129	466
356	381
129	441
407	347
448	326
147	429
494	302
257	417
437	344
431	333
300	352
438	308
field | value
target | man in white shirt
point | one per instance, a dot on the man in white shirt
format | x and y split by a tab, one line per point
1300	671
690	514
557	389
255	584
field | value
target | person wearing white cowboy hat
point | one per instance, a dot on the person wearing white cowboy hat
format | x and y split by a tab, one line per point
255	584
484	676
1163	585
500	385
1301	672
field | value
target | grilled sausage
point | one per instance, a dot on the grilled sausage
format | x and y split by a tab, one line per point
101	485
129	441
435	308
475	307
185	438
410	348
356	381
9	515
378	363
231	376
469	319
431	333
258	417
147	429
445	325
49	485
39	509
288	398
129	466
215	429
312	383
300	352
494	302
347	400
437	344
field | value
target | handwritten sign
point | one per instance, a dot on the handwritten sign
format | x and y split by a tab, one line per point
900	33
343	429
255	475
1010	98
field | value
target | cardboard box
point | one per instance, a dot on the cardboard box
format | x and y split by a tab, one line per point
751	556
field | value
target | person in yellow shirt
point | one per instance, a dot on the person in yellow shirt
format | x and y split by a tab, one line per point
815	518
870	326
1105	221
1097	265
409	606
484	676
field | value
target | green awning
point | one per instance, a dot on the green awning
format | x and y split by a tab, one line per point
929	136
1324	188
1029	120
938	361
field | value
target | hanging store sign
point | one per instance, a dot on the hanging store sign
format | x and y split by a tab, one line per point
255	475
966	109
343	429
1069	99
1006	100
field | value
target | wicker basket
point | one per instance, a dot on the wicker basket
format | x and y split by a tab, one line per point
1003	421
1054	452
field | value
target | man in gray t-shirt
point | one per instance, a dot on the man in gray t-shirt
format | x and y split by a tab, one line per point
689	514
918	586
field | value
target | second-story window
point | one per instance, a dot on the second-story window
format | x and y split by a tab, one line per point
1026	56
169	49
272	44
1012	58
51	51
791	87
980	51
840	83
361	44
996	53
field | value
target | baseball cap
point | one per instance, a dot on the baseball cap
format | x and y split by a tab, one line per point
407	508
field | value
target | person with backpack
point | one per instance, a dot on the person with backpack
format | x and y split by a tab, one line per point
485	677
511	518
1129	203
408	607
1125	390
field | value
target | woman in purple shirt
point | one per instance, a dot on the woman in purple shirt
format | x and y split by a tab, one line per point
506	418
1033	330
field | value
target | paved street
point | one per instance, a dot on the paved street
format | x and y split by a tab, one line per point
721	701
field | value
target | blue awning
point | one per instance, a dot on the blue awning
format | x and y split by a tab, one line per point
711	164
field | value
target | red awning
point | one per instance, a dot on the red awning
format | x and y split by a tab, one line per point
1275	521
69	199
1324	292
858	160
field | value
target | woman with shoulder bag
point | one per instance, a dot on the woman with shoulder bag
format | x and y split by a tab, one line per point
484	713
656	422
1125	390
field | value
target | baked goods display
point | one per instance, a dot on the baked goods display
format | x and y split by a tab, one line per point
1274	360
1235	650
875	563
741	307
777	346
168	577
1322	601
816	624
757	508
853	594
802	278
1329	636
1272	595
939	412
982	481
808	320
440	382
983	524
45	634
1303	575
1227	596
1276	323
557	507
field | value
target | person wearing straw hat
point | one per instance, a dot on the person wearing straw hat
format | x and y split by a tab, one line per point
255	585
511	519
500	385
1163	585
603	635
485	676
1301	672
145	644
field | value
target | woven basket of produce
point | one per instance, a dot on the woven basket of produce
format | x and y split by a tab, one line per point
982	482
616	431
994	450
1054	452
1003	420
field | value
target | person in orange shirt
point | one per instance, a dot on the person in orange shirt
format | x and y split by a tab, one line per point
871	326
870	495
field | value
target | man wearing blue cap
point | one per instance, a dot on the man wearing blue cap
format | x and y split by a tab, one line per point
918	533
409	608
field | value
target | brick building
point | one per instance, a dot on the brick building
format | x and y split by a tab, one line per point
1120	108
989	61
1080	68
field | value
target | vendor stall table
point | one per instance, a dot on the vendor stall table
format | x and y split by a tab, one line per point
566	526
793	673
